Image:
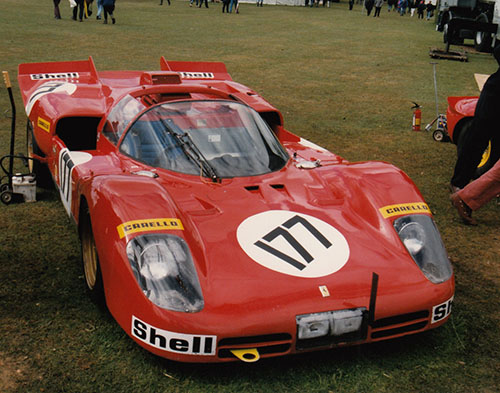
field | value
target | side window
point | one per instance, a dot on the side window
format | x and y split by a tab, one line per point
110	133
120	116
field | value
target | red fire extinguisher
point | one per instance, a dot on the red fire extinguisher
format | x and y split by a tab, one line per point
417	117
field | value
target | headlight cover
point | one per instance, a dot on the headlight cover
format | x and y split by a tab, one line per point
165	271
423	242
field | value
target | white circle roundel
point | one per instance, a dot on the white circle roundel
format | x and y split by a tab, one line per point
293	243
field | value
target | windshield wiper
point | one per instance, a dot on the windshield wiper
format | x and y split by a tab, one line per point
189	148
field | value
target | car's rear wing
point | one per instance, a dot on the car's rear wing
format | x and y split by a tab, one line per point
197	69
31	75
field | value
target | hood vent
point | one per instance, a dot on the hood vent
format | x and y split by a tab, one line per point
164	78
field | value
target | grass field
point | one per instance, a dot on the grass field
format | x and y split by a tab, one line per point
342	80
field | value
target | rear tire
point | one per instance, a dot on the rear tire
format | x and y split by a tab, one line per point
90	259
482	40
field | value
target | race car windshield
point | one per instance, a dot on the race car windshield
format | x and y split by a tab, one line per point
218	139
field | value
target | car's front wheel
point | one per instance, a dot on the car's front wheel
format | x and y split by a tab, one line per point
90	259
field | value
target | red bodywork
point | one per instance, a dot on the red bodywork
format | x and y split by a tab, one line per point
458	109
247	305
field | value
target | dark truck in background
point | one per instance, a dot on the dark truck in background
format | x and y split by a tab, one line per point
469	19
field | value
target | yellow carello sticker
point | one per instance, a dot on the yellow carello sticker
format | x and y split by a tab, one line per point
153	224
43	124
404	208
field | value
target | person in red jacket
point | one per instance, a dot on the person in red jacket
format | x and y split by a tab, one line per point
485	126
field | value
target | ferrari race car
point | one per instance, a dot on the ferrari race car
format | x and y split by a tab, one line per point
459	115
212	233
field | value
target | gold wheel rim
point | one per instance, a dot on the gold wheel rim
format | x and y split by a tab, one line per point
89	256
30	151
486	155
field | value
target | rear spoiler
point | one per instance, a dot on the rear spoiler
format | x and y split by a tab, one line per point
31	75
197	69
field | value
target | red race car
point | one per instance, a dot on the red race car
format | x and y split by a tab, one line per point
212	233
459	116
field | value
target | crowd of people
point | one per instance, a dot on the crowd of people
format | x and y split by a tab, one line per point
82	9
403	7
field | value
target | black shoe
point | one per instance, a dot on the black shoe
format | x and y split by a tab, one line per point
464	211
113	20
98	18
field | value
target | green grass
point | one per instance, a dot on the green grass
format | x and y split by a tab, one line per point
344	81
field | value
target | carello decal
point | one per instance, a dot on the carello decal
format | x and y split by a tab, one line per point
43	124
189	344
153	224
404	208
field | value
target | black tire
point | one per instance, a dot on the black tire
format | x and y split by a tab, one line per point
4	187
445	27
6	197
445	34
41	171
490	155
482	40
90	260
438	135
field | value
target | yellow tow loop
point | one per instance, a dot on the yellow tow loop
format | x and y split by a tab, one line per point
246	355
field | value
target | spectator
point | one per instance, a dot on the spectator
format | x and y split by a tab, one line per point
108	7
201	3
430	10
485	126
351	4
420	9
412	5
476	194
161	2
57	12
87	7
378	7
78	9
99	9
225	6
402	7
259	3
390	5
369	6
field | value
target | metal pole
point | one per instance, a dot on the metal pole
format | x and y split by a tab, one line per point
13	126
435	89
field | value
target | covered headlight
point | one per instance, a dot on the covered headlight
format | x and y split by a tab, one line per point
330	323
423	242
165	272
